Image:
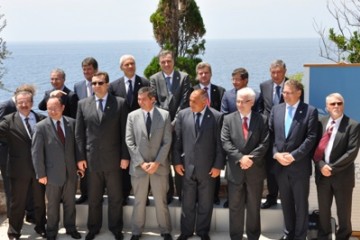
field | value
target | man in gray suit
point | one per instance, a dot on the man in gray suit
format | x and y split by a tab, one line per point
100	137
54	159
198	137
83	89
246	147
148	137
335	168
172	89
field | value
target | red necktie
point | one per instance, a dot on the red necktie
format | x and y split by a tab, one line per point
60	132
320	149
245	128
208	100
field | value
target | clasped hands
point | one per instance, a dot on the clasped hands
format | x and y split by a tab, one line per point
246	162
150	167
284	158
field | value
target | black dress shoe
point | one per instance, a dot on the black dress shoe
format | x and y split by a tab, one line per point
41	231
125	202
216	200
30	219
167	236
91	235
119	236
268	204
204	237
183	237
74	234
13	236
169	200
226	204
81	199
135	237
147	202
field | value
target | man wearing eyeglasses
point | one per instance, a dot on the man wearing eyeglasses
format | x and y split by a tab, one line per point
293	128
100	137
335	168
245	139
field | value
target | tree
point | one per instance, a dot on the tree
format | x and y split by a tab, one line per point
178	26
343	42
4	53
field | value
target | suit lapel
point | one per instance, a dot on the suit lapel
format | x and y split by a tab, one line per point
175	81
205	121
21	127
340	132
298	116
93	110
155	121
122	89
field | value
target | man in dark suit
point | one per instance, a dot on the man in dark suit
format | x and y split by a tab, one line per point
17	128
335	168
100	137
148	137
198	137
240	79
83	89
69	98
54	149
245	168
270	92
172	90
127	87
215	93
293	127
6	108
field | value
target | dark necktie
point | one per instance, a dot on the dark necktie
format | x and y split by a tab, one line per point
28	126
101	108
60	132
245	128
208	99
168	83
277	95
129	95
148	124
320	149
197	123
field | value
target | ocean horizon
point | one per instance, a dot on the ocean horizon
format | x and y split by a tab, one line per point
32	62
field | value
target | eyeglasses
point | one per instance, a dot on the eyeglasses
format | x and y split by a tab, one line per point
336	103
97	83
243	101
287	93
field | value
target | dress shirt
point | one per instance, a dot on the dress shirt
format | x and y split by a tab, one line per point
208	90
61	124
330	144
146	112
32	122
170	76
281	89
201	117
89	91
295	106
103	102
126	79
248	118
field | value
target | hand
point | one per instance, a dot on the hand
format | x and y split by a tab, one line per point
284	158
80	173
82	165
57	93
152	167
246	161
214	172
326	170
43	180
124	163
180	169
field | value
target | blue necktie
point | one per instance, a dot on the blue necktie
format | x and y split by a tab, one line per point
277	95
288	119
168	84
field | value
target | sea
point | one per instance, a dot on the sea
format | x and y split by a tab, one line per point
32	62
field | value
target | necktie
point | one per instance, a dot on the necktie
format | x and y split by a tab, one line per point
101	108
28	126
288	119
277	95
320	149
148	124
129	95
208	100
89	89
197	123
60	132
245	128
168	83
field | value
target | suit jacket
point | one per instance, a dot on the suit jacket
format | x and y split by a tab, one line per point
6	108
19	143
202	152
236	146
343	153
153	149
178	98
301	140
217	94
266	93
80	89
50	157
228	102
70	101
101	142
117	88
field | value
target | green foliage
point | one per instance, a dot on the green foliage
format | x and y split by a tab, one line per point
152	68
297	76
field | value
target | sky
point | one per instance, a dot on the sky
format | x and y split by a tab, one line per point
80	20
